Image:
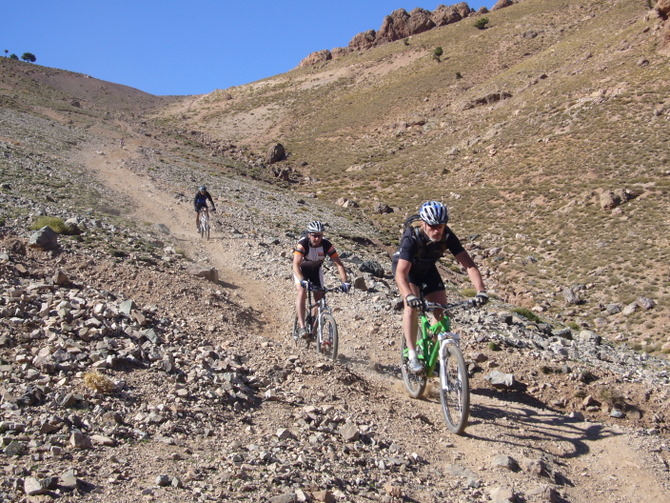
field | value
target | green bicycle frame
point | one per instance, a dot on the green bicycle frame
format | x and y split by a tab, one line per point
427	345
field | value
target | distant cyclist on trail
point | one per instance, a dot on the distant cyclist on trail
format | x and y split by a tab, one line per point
414	267
200	203
308	256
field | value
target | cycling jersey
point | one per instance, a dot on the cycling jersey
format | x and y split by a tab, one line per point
313	257
422	253
200	200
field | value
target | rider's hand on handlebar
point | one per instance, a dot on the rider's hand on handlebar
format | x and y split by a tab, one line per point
413	301
305	284
345	287
480	299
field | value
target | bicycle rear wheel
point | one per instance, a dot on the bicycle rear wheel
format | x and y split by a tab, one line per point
415	383
455	390
326	340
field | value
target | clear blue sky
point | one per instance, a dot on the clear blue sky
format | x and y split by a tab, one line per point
182	47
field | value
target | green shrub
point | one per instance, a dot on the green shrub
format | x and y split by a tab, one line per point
480	24
493	346
526	313
56	224
573	325
458	75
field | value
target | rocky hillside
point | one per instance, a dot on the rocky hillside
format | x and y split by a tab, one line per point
138	361
546	134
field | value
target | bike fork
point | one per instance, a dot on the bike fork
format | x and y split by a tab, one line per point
445	339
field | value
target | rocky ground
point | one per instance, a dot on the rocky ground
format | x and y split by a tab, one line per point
139	362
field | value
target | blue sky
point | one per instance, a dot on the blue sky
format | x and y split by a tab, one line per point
179	47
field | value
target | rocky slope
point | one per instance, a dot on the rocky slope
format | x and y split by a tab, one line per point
126	374
138	361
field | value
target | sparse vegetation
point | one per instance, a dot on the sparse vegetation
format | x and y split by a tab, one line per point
54	223
526	313
481	23
99	383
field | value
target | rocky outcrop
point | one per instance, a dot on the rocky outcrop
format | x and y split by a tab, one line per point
399	25
315	58
444	15
501	4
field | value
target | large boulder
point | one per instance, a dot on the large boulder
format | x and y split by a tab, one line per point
501	4
276	153
44	239
316	58
447	14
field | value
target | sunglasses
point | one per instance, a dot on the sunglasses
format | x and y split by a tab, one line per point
316	235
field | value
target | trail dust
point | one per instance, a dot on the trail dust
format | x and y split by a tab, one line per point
591	462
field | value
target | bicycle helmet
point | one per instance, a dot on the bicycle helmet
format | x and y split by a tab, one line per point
434	213
203	189
315	226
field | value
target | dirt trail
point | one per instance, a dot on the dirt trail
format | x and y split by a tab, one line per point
590	462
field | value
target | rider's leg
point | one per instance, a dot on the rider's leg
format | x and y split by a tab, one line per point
301	295
440	296
317	297
409	321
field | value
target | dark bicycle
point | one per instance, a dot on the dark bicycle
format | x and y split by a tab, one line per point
320	323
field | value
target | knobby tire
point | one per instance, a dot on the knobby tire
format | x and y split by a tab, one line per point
456	398
327	340
415	383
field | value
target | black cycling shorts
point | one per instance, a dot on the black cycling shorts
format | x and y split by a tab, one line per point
428	279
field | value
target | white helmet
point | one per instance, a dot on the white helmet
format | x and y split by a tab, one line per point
434	213
315	226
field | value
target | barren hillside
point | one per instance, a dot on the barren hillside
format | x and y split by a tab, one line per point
138	361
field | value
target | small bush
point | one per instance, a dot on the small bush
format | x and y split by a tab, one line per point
56	224
480	24
493	346
573	325
526	313
98	382
458	75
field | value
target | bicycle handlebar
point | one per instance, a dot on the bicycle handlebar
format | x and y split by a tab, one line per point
432	306
313	288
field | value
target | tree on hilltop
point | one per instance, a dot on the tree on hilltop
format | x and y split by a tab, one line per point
29	56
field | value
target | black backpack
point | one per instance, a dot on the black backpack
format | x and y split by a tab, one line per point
414	222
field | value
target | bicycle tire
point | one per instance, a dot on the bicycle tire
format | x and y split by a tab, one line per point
415	383
296	327
327	340
207	229
455	398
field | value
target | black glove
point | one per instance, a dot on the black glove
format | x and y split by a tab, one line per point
480	299
305	284
345	287
413	301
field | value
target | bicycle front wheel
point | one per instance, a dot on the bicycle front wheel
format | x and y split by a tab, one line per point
415	383
455	390
326	340
207	230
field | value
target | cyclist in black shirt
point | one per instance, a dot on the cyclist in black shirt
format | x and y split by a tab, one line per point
414	267
200	203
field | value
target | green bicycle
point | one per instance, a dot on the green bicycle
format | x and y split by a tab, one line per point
439	349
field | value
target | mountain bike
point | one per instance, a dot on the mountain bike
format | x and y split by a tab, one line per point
321	326
439	349
203	226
